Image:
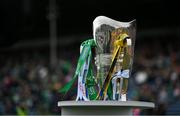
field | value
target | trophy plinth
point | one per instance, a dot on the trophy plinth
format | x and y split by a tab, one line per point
101	107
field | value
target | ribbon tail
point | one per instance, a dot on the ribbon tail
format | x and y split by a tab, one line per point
109	91
67	87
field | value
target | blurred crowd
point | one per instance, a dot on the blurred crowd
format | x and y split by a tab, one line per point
156	77
30	86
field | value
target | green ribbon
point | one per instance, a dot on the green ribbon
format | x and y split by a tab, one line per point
90	82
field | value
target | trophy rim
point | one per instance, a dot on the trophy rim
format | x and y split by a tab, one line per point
107	103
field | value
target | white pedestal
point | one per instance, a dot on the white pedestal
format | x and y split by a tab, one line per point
101	107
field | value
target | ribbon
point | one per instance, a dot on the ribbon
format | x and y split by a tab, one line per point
91	84
119	75
83	70
122	74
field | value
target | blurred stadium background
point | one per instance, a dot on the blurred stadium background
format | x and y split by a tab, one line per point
39	47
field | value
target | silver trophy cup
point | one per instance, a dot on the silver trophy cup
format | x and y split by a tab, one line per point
110	35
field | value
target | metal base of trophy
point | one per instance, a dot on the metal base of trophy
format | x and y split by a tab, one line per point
101	107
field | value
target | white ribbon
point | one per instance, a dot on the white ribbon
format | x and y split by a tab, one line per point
119	75
81	92
122	74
